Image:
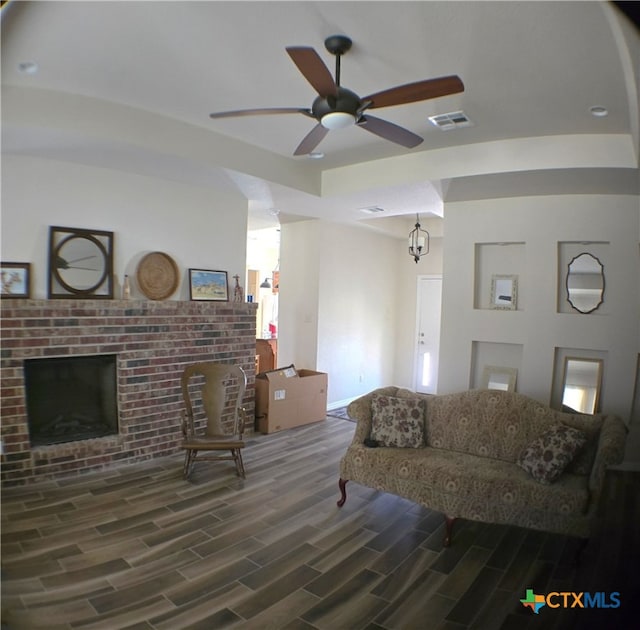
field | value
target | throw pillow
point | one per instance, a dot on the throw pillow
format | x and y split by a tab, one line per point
397	421
591	427
546	457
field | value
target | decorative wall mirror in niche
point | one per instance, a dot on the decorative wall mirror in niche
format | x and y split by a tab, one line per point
503	378
581	385
585	283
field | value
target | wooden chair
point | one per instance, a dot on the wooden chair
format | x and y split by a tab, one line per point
223	387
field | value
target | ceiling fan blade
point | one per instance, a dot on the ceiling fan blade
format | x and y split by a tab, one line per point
262	111
311	140
313	69
418	91
390	131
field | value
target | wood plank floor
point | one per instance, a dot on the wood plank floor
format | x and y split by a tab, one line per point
137	547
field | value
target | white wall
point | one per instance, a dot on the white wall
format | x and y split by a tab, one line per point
357	311
408	273
541	223
338	305
298	297
198	227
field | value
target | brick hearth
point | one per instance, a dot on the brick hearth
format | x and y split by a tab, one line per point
153	342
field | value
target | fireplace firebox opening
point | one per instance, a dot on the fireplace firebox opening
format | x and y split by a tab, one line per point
71	398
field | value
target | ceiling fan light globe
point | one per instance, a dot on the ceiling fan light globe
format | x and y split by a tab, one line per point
337	120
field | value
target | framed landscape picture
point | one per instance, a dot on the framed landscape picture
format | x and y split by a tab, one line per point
16	279
208	285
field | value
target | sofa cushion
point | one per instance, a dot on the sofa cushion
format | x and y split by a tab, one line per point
397	422
469	486
488	423
548	455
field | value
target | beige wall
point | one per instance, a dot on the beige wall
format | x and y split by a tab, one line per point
299	298
338	305
540	326
197	227
348	303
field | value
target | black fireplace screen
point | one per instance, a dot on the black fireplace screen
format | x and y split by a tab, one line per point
71	398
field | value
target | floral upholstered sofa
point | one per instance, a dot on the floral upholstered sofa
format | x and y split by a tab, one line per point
485	455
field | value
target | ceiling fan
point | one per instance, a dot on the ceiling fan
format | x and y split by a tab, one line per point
335	107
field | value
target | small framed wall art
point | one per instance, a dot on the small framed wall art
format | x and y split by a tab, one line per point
16	280
208	285
80	263
504	292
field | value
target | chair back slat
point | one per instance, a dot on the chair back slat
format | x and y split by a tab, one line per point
214	392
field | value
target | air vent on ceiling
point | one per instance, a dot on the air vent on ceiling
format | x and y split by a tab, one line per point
372	210
450	120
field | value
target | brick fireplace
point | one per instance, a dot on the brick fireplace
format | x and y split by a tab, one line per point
152	341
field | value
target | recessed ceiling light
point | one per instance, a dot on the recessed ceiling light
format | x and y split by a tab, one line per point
28	67
598	111
315	155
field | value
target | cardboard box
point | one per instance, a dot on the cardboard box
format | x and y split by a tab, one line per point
287	398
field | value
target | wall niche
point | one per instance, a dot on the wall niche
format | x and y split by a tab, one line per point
498	259
559	364
496	355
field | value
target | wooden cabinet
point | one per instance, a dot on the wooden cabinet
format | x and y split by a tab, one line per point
266	355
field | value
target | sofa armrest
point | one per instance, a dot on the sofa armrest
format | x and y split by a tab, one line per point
610	451
360	411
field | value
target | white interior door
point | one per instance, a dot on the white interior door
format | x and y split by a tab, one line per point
428	333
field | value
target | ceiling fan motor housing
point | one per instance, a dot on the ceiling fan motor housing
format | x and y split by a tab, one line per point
345	101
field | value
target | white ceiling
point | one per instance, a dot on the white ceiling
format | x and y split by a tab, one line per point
530	69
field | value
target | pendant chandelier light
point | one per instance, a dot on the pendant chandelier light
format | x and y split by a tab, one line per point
418	241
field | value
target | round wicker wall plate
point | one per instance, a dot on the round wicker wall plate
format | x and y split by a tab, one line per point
157	276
